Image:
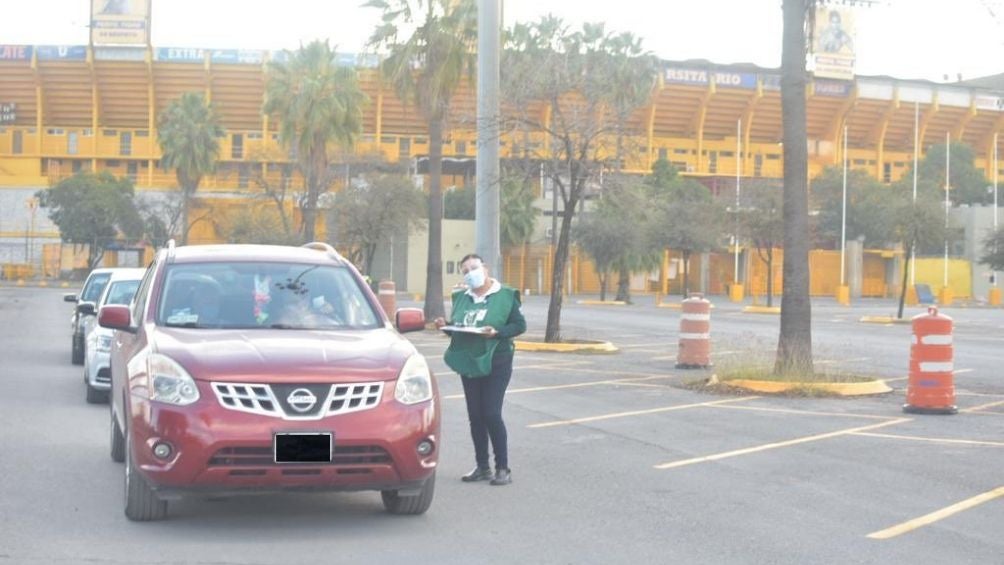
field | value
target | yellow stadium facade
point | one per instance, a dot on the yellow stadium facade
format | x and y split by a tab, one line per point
79	108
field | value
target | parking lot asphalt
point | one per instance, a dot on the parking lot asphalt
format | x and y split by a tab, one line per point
613	462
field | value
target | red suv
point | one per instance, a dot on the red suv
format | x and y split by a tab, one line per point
247	369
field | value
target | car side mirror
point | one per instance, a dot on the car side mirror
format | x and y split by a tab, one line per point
409	320
86	308
70	298
116	317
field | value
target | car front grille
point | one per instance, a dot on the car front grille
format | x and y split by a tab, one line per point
274	401
259	456
104	376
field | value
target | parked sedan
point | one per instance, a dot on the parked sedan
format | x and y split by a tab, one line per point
251	368
119	289
85	306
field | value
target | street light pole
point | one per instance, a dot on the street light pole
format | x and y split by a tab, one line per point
843	218
487	200
948	181
916	158
735	242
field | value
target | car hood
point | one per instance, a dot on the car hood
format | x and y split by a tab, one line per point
303	356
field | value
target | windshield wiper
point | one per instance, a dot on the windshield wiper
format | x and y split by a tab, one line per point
182	325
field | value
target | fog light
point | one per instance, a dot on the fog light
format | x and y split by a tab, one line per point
162	450
425	447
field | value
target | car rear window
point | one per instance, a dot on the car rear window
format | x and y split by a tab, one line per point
121	292
95	285
247	295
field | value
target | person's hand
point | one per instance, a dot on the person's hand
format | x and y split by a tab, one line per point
490	331
440	322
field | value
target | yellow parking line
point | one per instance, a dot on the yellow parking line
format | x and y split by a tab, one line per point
933	439
572	385
933	517
983	406
805	412
776	445
635	413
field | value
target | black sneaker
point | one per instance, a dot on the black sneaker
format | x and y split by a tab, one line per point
502	477
478	474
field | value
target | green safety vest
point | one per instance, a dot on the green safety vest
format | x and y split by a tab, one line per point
471	355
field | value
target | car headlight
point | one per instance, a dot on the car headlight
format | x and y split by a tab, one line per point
169	382
414	384
103	344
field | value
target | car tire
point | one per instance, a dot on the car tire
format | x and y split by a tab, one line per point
95	396
410	505
141	502
77	356
117	440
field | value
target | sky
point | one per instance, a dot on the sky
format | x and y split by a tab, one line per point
909	39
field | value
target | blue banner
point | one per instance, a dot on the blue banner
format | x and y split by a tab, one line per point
771	82
181	54
61	52
831	88
15	52
237	56
723	79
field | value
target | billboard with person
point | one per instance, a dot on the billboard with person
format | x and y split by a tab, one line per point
120	22
833	42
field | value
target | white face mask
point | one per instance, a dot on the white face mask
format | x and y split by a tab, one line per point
475	278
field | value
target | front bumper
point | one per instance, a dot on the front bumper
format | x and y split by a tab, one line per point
98	375
220	451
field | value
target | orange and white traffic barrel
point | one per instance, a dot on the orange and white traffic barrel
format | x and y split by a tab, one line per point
695	334
931	385
387	295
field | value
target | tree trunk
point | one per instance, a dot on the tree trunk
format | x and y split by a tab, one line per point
434	266
902	290
794	349
185	204
686	274
603	286
770	276
623	285
318	170
552	333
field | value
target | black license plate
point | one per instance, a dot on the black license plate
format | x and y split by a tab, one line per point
303	447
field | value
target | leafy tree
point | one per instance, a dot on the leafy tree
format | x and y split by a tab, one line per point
993	254
458	203
188	133
425	68
794	348
278	192
920	227
687	219
256	224
366	214
968	184
94	210
517	216
318	103
868	209
763	223
575	75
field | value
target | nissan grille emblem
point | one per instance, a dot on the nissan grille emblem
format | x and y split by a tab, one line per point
301	400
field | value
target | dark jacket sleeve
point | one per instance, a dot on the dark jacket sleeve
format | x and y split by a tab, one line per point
516	324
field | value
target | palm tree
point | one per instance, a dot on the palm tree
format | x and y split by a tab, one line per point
425	69
188	133
317	103
794	349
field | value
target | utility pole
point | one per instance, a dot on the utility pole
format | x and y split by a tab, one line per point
487	200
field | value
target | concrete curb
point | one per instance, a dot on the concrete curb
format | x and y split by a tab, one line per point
762	310
601	302
884	320
877	386
21	283
590	347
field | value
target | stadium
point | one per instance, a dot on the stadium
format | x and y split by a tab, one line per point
67	109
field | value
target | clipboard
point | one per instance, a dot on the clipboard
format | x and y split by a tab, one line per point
465	329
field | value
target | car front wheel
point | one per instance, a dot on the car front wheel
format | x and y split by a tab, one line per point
77	356
410	505
117	440
141	502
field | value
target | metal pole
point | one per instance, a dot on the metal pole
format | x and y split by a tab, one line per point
948	182
735	242
487	195
843	219
996	212
916	158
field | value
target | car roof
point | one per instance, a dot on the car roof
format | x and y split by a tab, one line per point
127	274
256	253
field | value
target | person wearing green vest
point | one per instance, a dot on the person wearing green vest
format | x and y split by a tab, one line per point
485	317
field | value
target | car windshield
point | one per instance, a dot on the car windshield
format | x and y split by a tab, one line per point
246	295
121	292
93	288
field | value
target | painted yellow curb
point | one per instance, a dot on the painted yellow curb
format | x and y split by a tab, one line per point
877	386
884	320
595	347
762	310
672	305
602	302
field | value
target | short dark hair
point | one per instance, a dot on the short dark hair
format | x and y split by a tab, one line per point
471	256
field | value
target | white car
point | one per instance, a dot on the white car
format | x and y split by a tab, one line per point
120	289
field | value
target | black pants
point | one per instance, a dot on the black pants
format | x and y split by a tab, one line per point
484	397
